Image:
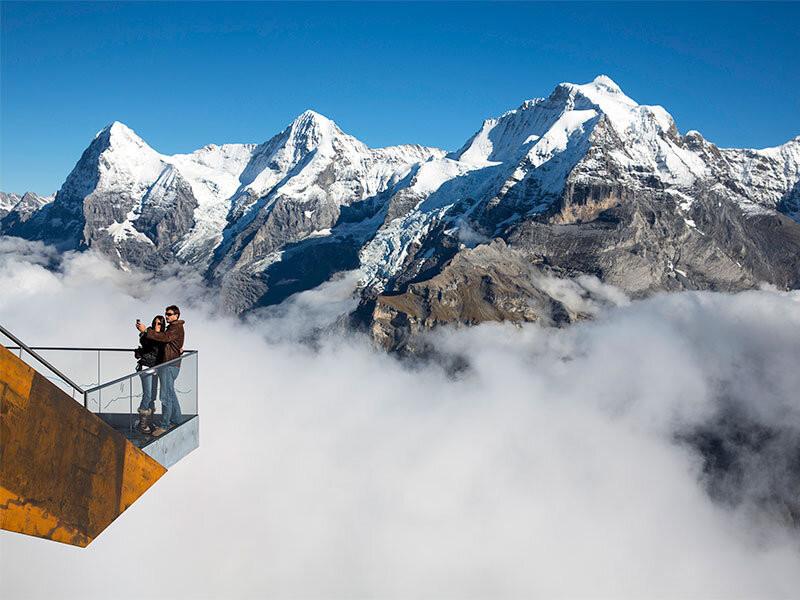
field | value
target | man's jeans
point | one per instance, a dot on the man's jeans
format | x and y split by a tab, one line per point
149	389
170	409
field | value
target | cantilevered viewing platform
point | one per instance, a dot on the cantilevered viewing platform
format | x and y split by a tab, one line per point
72	456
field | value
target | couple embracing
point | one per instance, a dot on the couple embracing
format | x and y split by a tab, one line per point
160	343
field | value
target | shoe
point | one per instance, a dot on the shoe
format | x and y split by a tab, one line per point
146	411
158	431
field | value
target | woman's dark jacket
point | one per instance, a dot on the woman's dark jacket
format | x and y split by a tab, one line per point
172	339
150	352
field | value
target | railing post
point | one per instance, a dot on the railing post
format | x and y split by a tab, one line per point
99	392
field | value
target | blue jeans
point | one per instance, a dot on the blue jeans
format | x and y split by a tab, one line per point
170	409
149	389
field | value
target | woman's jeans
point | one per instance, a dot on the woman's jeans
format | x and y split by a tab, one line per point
170	409
149	389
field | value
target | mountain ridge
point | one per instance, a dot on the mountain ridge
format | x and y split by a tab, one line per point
564	182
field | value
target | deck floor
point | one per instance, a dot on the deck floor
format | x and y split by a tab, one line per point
127	425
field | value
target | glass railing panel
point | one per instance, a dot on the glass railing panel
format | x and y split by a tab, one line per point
90	367
186	385
116	363
86	367
117	402
79	365
50	375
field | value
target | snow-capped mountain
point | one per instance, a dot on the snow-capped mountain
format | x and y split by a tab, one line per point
148	209
18	209
584	181
131	202
297	187
539	159
7	202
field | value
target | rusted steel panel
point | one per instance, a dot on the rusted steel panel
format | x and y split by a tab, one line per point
64	474
23	516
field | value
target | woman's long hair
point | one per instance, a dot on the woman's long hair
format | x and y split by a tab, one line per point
158	319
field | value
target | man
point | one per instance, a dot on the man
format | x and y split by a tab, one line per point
172	339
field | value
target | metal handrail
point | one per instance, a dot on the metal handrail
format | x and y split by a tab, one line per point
30	351
183	356
80	349
74	348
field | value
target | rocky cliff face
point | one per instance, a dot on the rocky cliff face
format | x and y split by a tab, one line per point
491	282
583	183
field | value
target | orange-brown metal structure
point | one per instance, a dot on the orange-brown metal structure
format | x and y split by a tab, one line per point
65	475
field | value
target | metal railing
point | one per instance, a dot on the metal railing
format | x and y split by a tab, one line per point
120	397
102	386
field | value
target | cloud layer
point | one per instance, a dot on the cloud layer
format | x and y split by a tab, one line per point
561	463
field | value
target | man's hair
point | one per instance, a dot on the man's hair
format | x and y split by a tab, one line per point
174	309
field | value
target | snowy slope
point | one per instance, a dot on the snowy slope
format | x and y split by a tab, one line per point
769	176
7	202
506	151
130	167
22	206
298	181
213	173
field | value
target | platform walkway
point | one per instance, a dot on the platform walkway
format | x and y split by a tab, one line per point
71	458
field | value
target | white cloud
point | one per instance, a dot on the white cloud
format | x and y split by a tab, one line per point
305	314
551	468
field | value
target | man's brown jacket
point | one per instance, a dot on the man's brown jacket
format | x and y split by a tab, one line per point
172	339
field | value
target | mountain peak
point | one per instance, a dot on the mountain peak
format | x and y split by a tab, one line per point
622	111
311	129
119	126
311	120
116	128
312	115
606	82
603	91
118	135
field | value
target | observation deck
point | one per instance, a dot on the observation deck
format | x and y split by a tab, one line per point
72	455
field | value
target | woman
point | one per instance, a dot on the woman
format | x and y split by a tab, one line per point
149	354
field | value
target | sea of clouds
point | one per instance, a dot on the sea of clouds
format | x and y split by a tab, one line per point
561	463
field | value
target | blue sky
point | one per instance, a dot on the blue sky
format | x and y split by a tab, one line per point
183	75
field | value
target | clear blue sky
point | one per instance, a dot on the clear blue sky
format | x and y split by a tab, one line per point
184	75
